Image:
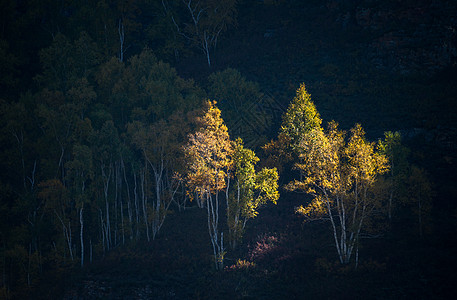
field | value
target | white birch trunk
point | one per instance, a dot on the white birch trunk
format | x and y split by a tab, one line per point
137	208
121	40
66	233
106	181
81	222
129	208
143	202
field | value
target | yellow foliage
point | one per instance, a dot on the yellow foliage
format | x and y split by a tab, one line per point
316	209
209	153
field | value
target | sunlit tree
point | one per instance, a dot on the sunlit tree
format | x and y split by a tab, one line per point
209	153
300	118
250	190
341	175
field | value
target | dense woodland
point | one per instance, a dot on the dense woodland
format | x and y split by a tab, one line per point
227	149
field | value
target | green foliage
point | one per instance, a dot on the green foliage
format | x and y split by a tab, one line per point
251	190
409	185
235	94
240	101
397	154
92	128
65	61
209	154
146	89
209	159
341	173
300	118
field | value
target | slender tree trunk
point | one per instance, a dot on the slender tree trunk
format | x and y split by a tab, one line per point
143	202
206	49
116	199
121	40
102	227
66	234
332	221
357	256
107	226
122	221
137	208
211	227
420	215
29	281
121	205
61	165
129	208
68	230
81	222
106	182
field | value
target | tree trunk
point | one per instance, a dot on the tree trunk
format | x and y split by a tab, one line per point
143	202
106	181
81	222
137	207
129	208
121	40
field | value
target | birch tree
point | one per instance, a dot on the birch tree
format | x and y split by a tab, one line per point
58	203
300	118
80	171
341	176
420	195
106	144
209	153
397	154
250	190
157	144
203	21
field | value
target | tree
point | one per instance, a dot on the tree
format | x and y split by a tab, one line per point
159	147
420	194
397	154
162	32
239	101
300	118
341	175
408	184
106	146
249	192
57	120
204	21
57	201
209	153
65	62
80	172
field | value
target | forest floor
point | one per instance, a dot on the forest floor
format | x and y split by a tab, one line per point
283	258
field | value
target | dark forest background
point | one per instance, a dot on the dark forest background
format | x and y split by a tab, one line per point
97	99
